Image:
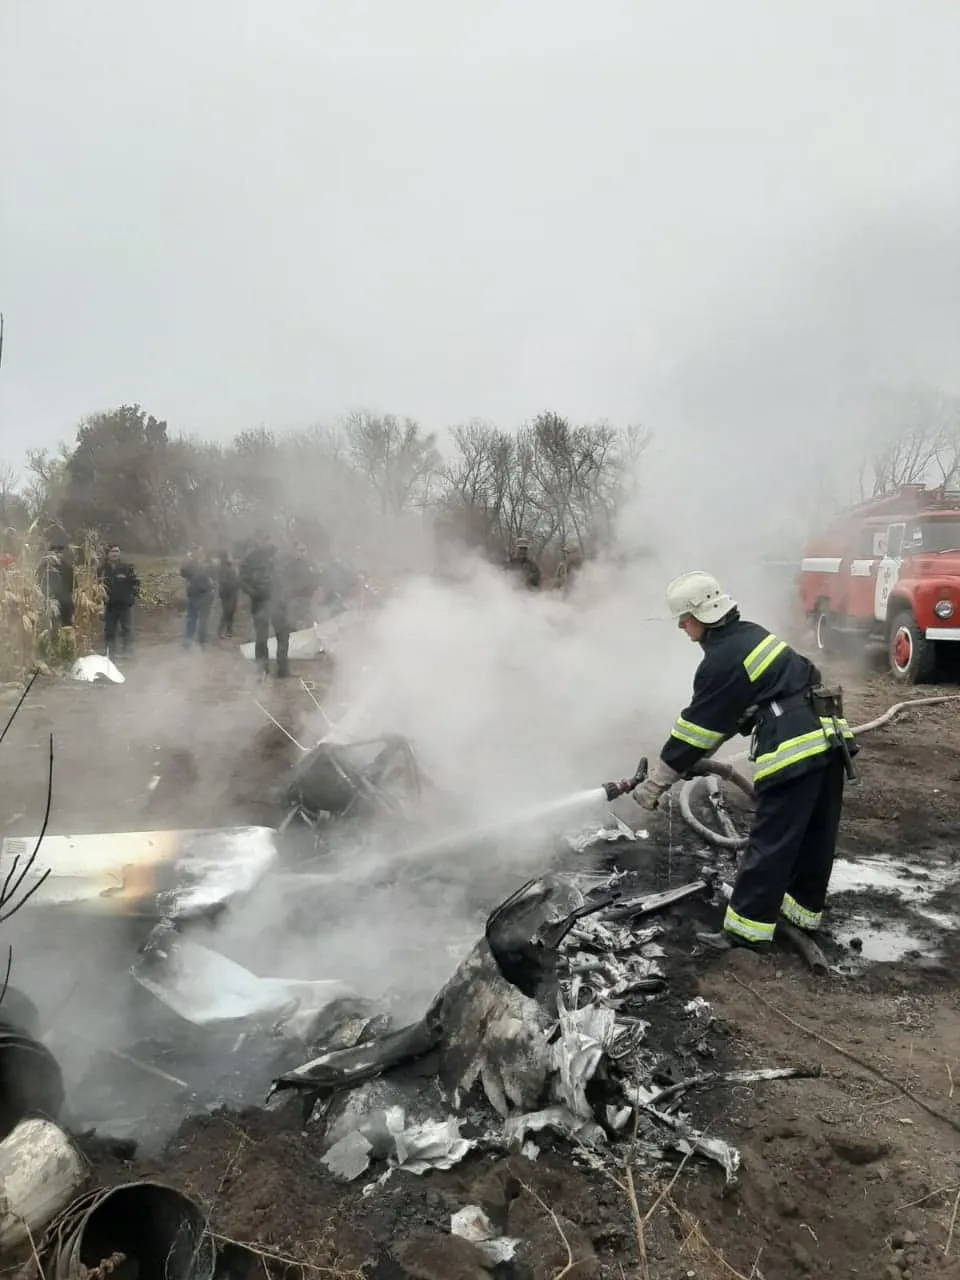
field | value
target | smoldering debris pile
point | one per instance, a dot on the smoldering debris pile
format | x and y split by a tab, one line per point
543	1031
567	1021
543	1028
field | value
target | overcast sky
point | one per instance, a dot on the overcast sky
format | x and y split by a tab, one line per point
687	211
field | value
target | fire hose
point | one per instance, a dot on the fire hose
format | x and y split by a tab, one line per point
724	769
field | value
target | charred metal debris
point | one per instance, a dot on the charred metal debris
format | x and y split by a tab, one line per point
567	1020
544	1027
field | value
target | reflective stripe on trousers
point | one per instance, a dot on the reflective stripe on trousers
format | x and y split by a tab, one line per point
749	930
763	931
800	916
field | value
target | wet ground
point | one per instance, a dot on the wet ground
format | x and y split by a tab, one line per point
851	1174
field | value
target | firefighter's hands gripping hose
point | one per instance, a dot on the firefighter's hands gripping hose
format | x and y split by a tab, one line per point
648	793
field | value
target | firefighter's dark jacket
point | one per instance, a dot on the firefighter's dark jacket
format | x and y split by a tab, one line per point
749	681
120	582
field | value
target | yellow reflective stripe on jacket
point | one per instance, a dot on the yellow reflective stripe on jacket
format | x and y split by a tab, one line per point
750	930
804	747
759	658
694	735
798	915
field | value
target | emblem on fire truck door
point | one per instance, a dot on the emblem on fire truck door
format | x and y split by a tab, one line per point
888	571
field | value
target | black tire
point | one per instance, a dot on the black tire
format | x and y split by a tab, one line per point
912	658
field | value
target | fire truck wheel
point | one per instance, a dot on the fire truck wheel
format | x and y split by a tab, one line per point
912	657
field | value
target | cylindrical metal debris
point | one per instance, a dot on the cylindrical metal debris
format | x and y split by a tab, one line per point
146	1230
41	1171
30	1079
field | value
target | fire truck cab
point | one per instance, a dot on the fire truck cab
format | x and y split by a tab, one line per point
889	570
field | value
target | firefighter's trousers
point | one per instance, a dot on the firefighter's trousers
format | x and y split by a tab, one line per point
787	864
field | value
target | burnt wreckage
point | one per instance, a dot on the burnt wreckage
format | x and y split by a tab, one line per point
350	782
566	1018
544	1026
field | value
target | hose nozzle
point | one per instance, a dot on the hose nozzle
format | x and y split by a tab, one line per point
626	785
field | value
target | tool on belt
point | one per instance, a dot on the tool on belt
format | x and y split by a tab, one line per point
828	705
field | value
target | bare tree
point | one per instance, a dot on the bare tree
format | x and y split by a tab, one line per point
916	433
395	455
550	480
9	497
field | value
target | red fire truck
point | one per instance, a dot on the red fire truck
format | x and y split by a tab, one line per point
889	570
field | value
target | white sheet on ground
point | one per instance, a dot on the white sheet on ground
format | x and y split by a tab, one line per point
304	645
96	666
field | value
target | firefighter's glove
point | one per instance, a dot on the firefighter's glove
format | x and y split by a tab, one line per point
660	779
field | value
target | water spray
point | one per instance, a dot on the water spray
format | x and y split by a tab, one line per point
359	869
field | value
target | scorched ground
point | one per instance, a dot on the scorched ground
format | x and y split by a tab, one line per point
854	1173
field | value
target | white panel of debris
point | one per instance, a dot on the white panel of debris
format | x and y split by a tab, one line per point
166	873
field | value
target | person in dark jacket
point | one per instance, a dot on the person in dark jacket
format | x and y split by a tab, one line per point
295	581
228	581
121	591
749	681
523	565
57	571
256	574
200	574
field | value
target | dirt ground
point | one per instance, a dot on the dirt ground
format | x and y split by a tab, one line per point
855	1173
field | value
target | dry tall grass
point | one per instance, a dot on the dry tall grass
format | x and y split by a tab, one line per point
30	631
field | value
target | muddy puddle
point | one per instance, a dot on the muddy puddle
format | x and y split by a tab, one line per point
886	910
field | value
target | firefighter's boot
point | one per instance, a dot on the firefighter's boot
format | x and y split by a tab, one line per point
724	941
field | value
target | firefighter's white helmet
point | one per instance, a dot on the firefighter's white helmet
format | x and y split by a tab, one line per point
700	595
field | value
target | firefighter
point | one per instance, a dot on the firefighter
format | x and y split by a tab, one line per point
523	565
255	575
121	588
749	681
